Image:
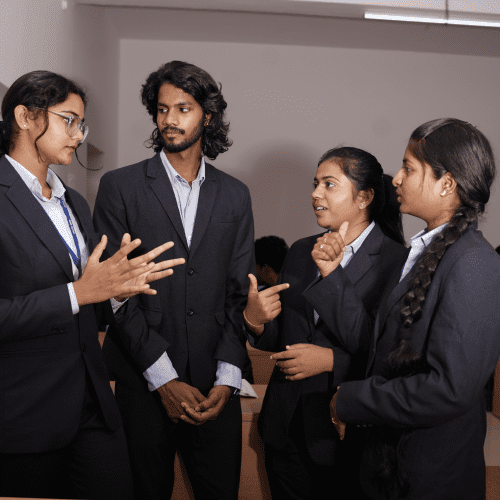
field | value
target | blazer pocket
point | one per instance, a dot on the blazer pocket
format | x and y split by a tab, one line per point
220	316
152	316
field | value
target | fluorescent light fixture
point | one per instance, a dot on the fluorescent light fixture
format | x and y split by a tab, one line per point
434	20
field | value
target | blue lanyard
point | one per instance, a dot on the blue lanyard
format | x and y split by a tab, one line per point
77	259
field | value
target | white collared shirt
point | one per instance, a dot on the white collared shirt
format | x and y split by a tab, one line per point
419	243
56	214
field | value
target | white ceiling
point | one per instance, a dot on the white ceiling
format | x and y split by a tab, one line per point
485	9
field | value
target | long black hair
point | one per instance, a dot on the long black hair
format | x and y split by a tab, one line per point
206	93
365	172
457	147
37	89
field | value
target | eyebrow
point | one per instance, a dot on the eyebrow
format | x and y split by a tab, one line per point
327	177
184	103
72	113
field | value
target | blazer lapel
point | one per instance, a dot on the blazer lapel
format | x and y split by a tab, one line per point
310	274
206	202
79	209
163	190
392	297
24	201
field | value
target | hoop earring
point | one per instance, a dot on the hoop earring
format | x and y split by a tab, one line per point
443	193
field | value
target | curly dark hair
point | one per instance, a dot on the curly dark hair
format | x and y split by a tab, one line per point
457	147
37	89
204	90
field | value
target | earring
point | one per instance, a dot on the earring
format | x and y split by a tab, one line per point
24	126
443	193
362	205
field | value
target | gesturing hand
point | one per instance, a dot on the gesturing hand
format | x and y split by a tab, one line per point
262	306
102	280
174	393
156	273
329	250
340	426
210	408
304	360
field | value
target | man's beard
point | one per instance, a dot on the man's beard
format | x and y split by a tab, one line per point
186	144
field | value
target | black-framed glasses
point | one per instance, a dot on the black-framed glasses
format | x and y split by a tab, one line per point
74	124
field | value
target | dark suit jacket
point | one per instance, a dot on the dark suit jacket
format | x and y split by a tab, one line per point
368	271
459	333
196	315
44	349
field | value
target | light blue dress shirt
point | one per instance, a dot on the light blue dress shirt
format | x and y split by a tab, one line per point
162	371
419	243
55	211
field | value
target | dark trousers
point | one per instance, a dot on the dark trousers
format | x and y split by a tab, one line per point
210	452
294	475
94	466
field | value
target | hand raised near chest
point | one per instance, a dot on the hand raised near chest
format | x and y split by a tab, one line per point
263	306
329	250
118	276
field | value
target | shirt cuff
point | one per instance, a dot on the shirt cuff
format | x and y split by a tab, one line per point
160	372
72	296
115	305
228	374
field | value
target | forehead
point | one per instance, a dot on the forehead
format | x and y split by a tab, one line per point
73	104
330	168
169	94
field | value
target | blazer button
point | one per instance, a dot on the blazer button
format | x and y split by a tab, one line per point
191	272
54	329
190	312
309	339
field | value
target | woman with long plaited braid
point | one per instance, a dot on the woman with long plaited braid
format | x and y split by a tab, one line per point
436	338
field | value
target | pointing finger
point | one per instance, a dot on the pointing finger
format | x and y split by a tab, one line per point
253	284
343	229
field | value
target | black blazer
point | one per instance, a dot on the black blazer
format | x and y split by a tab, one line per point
459	334
44	349
368	271
196	315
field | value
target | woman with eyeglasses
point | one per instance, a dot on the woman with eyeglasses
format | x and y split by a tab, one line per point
60	430
436	338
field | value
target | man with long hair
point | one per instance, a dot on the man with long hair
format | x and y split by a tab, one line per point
177	356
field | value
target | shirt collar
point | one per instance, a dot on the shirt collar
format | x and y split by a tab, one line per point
356	244
174	175
33	183
425	237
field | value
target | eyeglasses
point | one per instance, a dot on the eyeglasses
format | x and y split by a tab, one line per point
74	124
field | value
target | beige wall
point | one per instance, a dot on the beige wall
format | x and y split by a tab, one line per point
296	86
290	102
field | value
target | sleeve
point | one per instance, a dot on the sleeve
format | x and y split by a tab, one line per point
228	374
144	344
231	345
335	300
160	372
35	315
463	346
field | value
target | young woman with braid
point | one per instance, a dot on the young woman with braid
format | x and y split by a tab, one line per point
435	340
303	454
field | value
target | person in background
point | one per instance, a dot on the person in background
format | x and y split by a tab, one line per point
435	341
270	254
177	356
303	455
61	435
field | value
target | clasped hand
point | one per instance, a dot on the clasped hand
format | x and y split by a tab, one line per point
187	403
264	306
301	361
329	250
119	277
